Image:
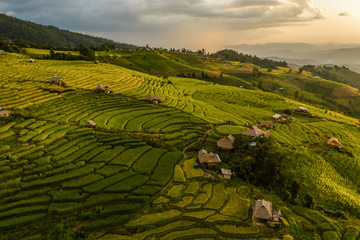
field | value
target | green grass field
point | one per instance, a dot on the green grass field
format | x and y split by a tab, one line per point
127	179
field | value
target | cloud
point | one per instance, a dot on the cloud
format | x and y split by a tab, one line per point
128	15
168	19
344	14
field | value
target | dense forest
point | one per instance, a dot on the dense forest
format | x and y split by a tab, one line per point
12	28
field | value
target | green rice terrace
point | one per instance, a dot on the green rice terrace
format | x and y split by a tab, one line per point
132	176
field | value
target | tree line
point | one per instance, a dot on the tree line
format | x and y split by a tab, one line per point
231	55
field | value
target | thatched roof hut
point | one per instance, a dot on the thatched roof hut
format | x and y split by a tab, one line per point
226	143
254	132
202	151
335	143
157	98
211	159
301	110
100	87
149	98
4	113
262	210
267	134
56	80
267	124
90	123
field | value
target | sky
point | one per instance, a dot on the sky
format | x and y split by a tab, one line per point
197	24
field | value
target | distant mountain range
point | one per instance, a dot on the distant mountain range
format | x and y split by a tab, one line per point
12	28
299	54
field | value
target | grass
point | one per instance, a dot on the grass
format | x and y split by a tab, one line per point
233	229
190	171
154	218
103	175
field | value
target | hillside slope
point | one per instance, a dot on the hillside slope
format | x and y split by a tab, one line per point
128	177
12	28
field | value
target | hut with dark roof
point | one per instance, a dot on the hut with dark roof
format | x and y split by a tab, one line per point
226	143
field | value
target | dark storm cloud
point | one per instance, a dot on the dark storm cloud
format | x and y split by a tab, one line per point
151	15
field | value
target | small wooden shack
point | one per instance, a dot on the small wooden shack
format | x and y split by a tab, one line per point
287	118
56	80
226	173
262	210
300	110
107	89
96	62
267	124
4	113
226	143
278	118
2	52
335	143
31	60
209	160
255	132
103	89
153	99
90	124
264	213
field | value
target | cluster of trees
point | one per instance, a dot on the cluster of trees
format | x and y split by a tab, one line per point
263	165
231	55
194	75
9	46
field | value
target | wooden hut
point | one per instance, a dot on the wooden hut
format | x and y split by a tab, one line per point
267	124
153	99
226	143
301	110
102	88
96	62
31	60
209	160
107	89
254	132
56	80
335	143
4	113
262	210
287	118
2	52
267	134
278	118
226	173
90	123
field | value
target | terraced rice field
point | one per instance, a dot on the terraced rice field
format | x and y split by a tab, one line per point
127	179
